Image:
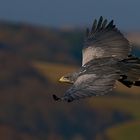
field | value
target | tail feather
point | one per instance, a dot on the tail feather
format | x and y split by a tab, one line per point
133	68
134	73
137	83
131	71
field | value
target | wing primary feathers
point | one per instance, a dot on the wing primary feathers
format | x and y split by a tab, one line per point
105	40
87	32
94	26
114	26
99	23
104	23
110	25
56	98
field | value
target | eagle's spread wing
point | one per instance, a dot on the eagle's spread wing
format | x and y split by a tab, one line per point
96	78
104	40
90	85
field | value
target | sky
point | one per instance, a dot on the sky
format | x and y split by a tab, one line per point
63	13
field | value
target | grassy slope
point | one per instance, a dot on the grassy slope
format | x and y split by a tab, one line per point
127	105
53	71
126	131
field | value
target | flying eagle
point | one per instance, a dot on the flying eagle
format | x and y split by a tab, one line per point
106	59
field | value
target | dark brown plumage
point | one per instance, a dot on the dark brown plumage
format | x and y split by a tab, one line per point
106	58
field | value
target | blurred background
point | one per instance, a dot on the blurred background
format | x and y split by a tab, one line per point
39	42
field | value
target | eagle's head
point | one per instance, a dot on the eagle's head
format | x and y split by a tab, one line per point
69	78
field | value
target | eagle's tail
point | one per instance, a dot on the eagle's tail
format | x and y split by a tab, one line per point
131	71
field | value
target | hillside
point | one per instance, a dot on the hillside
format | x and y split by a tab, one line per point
40	43
29	112
32	59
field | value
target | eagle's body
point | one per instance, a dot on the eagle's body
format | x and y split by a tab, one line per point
106	58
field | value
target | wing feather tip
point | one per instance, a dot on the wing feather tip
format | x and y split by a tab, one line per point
99	25
87	32
56	98
94	26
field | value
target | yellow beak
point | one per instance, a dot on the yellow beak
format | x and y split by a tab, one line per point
64	80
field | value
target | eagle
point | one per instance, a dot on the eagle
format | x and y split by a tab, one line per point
106	58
